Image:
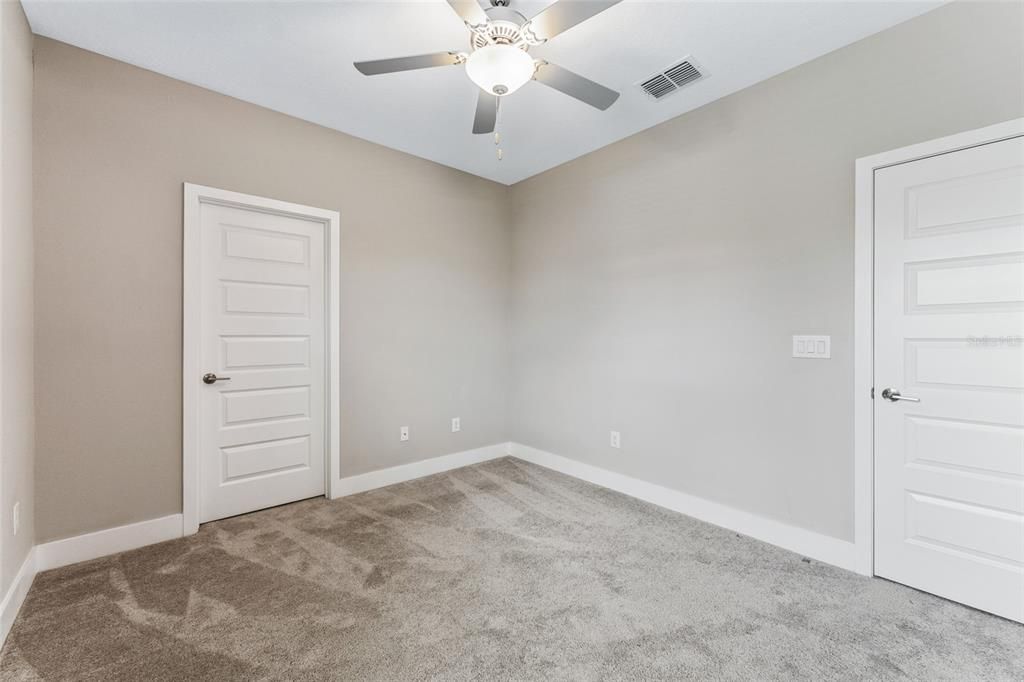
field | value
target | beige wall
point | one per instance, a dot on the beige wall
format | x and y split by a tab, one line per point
425	259
16	385
652	287
657	282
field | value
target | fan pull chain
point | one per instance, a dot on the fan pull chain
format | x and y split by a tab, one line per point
497	133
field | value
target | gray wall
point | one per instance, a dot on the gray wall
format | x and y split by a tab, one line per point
17	432
425	262
657	282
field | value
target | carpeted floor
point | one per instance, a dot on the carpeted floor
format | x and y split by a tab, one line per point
500	571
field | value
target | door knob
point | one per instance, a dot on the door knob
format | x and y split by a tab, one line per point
892	395
211	378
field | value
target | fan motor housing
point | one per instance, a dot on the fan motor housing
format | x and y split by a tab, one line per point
504	27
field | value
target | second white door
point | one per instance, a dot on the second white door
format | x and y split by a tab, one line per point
262	354
949	375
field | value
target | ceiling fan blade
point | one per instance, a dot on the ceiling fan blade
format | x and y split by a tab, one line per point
486	113
565	14
469	11
422	61
575	85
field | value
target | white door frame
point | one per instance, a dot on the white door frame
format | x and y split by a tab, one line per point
195	195
863	315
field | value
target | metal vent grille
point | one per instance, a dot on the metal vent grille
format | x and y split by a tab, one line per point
658	86
671	79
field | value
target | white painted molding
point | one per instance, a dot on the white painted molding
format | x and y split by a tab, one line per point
816	546
105	542
863	314
407	472
16	594
132	536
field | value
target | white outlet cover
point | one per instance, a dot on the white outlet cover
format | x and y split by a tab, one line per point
403	433
615	440
814	347
456	425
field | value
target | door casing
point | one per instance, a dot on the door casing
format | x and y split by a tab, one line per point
194	197
863	314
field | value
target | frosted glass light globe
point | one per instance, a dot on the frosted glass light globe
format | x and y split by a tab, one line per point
499	69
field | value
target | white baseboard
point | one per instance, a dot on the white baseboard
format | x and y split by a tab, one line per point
110	541
407	472
813	545
113	540
123	538
16	594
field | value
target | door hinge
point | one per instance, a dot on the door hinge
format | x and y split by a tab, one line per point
872	392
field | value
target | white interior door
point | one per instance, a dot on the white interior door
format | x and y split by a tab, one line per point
949	322
261	423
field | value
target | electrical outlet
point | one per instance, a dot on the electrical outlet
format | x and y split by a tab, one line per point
456	425
403	434
16	516
615	441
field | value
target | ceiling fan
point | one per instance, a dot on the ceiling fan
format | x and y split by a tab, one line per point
500	39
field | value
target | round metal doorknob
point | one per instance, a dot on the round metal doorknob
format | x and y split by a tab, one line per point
211	378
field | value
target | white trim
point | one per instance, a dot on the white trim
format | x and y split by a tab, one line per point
105	542
863	314
134	535
407	472
194	195
332	298
816	546
16	594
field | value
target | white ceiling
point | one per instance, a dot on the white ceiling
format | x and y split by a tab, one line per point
296	57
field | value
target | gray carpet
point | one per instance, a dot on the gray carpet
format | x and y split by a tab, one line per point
501	571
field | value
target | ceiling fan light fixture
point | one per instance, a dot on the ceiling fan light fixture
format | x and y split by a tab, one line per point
500	69
499	40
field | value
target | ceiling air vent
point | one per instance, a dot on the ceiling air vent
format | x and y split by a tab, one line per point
671	79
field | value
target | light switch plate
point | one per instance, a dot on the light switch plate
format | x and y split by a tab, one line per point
816	347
